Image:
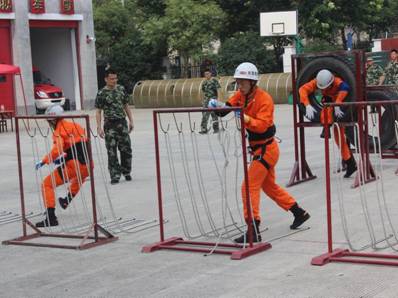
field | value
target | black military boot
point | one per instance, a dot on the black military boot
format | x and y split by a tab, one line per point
255	232
300	216
64	202
351	167
216	128
50	221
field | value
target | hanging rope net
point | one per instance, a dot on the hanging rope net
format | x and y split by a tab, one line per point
202	174
66	182
368	213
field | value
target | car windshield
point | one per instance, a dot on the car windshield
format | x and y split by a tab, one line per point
39	78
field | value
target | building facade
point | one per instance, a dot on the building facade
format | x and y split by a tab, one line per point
55	39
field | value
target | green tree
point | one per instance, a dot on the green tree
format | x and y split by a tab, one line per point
329	19
245	47
243	16
189	26
119	42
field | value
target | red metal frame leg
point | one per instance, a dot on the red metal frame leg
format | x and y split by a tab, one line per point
156	246
248	251
327	257
237	251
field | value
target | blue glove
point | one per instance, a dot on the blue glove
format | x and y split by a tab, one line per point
59	160
39	164
214	103
237	114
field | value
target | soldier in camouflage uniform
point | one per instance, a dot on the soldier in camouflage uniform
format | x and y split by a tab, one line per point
373	72
390	75
209	88
113	101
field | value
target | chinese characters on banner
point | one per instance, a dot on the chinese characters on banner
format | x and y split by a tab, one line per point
5	6
37	6
67	7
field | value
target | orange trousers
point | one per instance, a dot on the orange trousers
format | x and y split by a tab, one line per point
342	143
69	175
261	178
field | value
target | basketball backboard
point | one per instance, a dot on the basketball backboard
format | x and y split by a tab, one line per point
280	23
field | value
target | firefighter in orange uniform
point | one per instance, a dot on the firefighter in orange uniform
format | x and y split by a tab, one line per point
68	151
333	89
258	108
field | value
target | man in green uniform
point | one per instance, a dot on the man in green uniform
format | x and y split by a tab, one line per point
114	102
373	72
209	88
390	75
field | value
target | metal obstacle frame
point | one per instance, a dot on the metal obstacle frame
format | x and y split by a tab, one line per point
301	171
237	251
87	239
345	255
391	153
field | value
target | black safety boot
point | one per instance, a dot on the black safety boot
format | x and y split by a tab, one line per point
50	221
323	132
351	167
300	216
255	231
64	202
128	177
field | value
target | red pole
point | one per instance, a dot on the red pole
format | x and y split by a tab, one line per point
246	177
24	97
158	177
328	190
92	184
296	153
21	190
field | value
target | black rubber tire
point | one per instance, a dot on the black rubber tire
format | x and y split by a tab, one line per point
388	118
39	111
339	68
66	105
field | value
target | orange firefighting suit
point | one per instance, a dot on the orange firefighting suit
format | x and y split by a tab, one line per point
337	92
68	141
259	106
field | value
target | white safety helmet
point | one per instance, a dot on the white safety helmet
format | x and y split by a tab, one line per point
54	110
246	70
324	79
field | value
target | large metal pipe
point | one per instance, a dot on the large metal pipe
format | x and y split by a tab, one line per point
188	92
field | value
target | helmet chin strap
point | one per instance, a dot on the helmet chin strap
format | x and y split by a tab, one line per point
253	85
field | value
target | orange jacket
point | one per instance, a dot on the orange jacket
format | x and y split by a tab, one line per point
338	91
65	135
260	109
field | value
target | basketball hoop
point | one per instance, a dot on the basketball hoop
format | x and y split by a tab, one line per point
281	23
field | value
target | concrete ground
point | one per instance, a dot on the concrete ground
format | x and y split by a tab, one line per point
119	269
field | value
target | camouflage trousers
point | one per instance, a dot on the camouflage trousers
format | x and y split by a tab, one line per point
206	115
117	138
